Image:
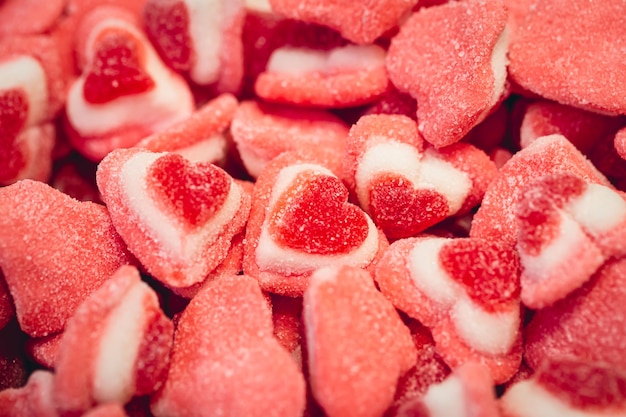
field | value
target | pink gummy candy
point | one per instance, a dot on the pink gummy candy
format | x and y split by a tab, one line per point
301	220
357	21
226	359
357	345
457	79
116	346
177	217
561	59
54	252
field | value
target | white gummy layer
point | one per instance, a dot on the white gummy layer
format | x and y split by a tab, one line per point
26	73
178	242
259	5
299	61
274	258
494	333
424	171
446	399
114	375
427	273
528	399
598	209
211	149
168	102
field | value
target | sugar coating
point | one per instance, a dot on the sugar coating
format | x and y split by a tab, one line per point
358	346
452	79
42	231
200	137
359	22
588	209
619	142
226	359
559	60
495	219
32	399
262	131
563	328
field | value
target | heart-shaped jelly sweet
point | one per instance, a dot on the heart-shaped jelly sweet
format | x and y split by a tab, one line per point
315	217
194	192
116	70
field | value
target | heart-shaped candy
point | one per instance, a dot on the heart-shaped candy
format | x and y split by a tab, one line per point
116	69
178	218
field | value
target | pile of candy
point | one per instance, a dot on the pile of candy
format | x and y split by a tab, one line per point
312	208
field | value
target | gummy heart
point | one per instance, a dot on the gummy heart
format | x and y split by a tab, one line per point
489	274
401	210
13	114
193	192
116	70
167	26
317	208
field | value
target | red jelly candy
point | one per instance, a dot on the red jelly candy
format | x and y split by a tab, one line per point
458	78
404	187
357	350
116	346
33	399
54	252
124	92
178	218
567	229
301	220
226	359
20	17
465	290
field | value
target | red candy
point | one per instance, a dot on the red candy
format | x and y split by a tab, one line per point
301	220
225	358
116	346
33	399
125	92
562	59
358	347
24	17
465	290
38	220
457	80
179	218
405	187
344	76
567	229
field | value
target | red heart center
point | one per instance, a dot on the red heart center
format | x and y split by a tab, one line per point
13	114
488	271
401	210
192	192
314	216
167	26
116	69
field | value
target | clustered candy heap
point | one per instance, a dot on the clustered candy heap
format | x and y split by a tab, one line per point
312	207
